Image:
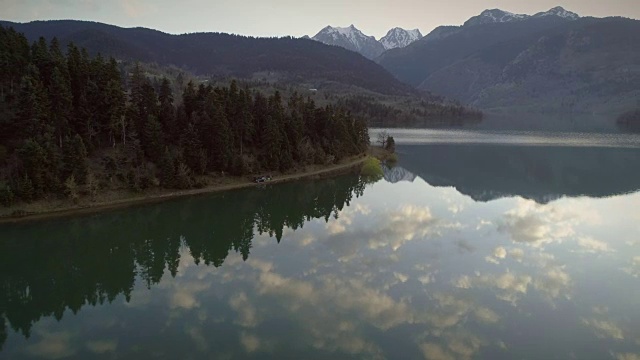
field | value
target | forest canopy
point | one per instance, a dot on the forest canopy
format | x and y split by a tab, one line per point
69	121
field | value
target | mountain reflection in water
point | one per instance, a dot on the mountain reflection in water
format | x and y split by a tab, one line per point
489	172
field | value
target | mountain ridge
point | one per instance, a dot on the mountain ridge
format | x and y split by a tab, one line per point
222	55
551	61
351	38
399	37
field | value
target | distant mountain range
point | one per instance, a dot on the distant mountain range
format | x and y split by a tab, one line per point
500	16
355	40
550	61
285	59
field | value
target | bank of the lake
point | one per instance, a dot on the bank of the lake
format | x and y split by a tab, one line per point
115	199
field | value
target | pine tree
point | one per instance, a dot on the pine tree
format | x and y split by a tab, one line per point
153	139
61	104
166	112
189	99
6	195
220	141
26	190
271	144
57	57
78	74
193	151
75	159
246	127
34	159
41	58
115	103
167	170
33	107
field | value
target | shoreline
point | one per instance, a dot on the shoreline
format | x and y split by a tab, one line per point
165	195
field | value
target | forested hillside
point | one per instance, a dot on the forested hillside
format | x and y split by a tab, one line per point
547	64
71	124
223	55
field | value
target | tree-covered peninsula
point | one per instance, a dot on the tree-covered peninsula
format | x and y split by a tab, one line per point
73	124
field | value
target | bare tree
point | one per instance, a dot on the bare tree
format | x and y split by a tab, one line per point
382	138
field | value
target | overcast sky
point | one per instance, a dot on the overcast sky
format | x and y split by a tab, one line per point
292	17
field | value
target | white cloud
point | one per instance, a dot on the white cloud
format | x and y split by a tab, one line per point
634	268
554	283
500	252
593	246
517	254
250	342
401	277
538	224
52	345
102	346
604	329
435	352
511	286
453	346
198	338
627	356
247	313
483	223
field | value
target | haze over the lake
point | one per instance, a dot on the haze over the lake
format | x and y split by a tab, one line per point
287	17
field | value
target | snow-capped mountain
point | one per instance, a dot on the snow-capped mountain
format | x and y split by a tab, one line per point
352	39
559	11
494	16
399	38
501	16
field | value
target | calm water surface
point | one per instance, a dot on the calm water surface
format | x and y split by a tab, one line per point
462	251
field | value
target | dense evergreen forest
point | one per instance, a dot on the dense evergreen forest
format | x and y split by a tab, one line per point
71	124
145	244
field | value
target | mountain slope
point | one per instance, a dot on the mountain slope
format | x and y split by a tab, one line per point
218	54
414	63
550	61
352	39
589	65
399	38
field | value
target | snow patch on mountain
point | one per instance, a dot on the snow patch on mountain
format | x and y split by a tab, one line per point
500	16
399	38
559	11
352	39
494	16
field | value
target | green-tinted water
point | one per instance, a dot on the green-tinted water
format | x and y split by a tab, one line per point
536	259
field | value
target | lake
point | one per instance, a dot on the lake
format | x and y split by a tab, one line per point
474	246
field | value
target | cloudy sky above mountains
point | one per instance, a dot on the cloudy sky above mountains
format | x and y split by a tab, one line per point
292	17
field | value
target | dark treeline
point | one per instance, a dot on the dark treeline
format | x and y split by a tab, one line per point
92	260
70	123
409	112
630	121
